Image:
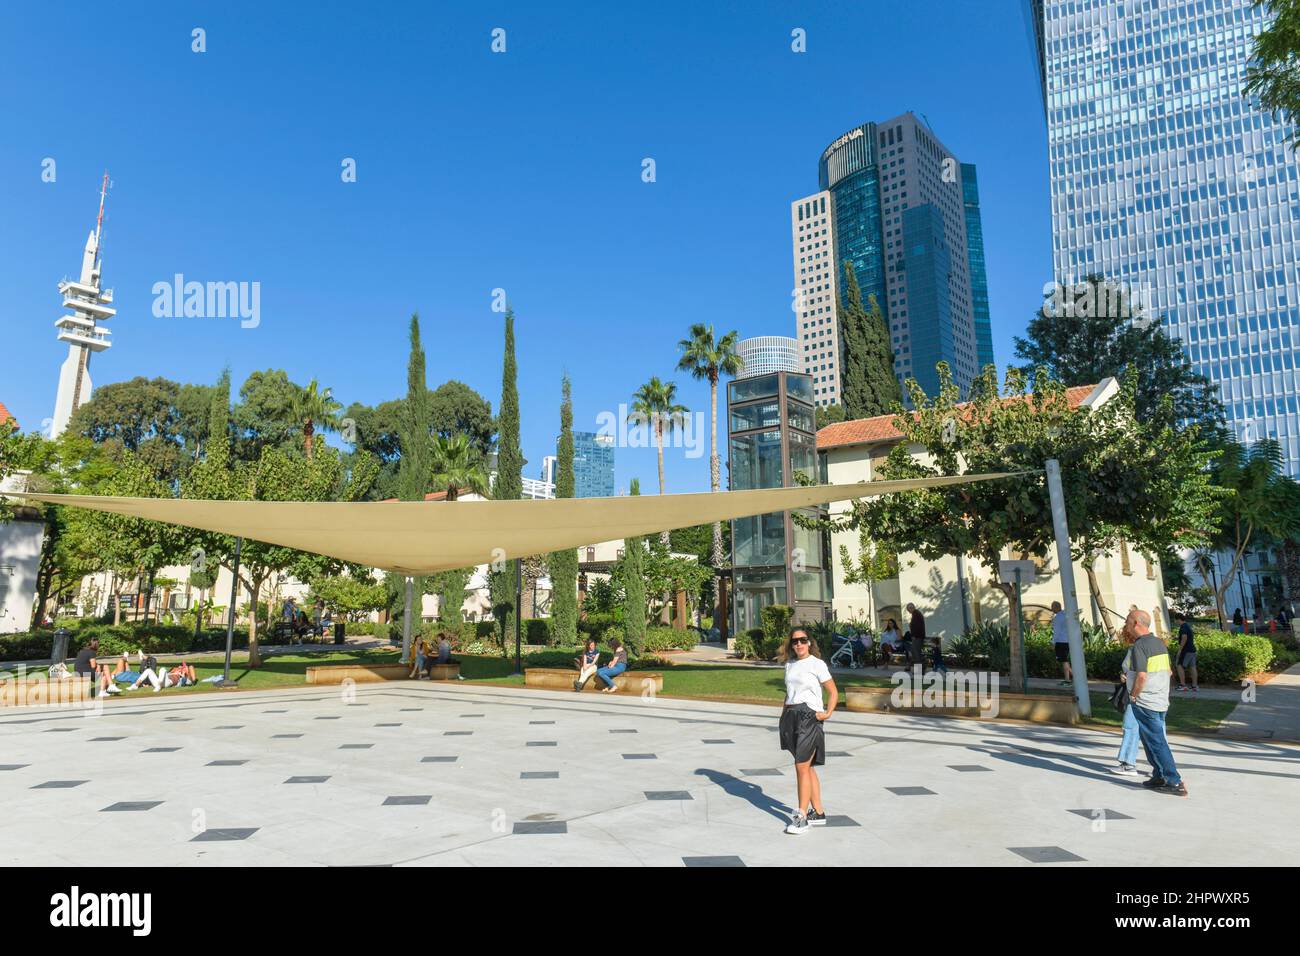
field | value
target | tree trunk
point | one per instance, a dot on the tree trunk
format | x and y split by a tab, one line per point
715	483
1221	595
408	631
1015	641
116	594
254	590
1094	587
659	444
308	429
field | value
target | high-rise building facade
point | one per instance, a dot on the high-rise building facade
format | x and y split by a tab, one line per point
1166	180
979	280
764	354
593	465
892	202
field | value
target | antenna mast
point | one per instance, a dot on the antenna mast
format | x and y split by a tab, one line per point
99	221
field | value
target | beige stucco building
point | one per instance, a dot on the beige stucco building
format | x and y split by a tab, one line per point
957	592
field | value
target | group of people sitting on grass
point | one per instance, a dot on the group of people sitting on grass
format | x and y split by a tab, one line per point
427	656
589	658
115	676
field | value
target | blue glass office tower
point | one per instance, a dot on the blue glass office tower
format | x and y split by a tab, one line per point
979	280
1165	178
892	203
593	465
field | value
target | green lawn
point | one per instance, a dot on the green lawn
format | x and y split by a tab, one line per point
1186	716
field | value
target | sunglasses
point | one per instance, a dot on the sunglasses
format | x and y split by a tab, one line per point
798	640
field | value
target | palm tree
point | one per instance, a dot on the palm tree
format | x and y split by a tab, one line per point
655	404
457	467
705	357
313	407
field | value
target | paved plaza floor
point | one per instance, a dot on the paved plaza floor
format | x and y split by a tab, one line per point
465	775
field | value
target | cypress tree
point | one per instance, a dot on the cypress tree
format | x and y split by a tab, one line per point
563	565
634	604
869	387
509	483
414	468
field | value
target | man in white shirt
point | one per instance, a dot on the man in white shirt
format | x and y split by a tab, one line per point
1061	642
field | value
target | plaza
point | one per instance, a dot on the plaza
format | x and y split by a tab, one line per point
464	775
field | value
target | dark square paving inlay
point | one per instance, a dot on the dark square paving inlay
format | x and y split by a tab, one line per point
458	733
969	768
1046	854
127	805
911	791
1103	814
412	801
59	784
226	763
107	738
160	750
838	753
438	759
229	727
407	710
840	820
388	725
331	717
667	795
13	766
306	779
355	746
471	715
639	757
225	833
622	730
541	826
712	861
541	743
285	736
719	740
275	712
60	730
541	722
178	718
762	772
540	775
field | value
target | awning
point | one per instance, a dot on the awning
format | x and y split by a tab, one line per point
423	537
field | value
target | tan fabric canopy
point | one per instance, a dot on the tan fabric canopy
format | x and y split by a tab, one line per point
423	537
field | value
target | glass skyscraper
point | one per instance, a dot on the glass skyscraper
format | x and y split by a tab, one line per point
979	280
1167	180
893	202
593	465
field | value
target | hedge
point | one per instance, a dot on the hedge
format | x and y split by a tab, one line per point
114	639
668	638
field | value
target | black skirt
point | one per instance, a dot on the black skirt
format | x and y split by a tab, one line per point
802	734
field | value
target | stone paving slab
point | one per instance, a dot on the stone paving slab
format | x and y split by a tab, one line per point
260	778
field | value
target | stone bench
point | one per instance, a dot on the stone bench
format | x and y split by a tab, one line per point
562	678
1045	708
39	690
373	673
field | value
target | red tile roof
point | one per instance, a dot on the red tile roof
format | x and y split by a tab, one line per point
431	496
868	431
5	416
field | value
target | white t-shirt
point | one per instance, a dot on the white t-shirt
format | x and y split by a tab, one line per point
803	681
1059	633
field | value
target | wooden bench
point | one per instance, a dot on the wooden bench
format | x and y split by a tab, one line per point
36	690
562	678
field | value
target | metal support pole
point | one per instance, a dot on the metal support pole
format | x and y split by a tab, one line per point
519	596
1020	619
1078	664
230	617
406	620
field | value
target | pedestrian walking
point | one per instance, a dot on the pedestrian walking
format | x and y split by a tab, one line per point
916	627
1061	642
1148	691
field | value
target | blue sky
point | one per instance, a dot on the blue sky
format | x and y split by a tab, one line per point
475	171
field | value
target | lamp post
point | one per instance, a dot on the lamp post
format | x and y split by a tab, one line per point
519	597
230	617
1078	664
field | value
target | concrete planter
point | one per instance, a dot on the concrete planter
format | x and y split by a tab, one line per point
373	673
562	678
1045	708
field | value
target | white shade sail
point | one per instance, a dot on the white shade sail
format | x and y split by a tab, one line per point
424	537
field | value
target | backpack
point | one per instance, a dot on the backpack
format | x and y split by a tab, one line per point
150	663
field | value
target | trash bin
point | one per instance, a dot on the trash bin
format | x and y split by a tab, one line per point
339	631
60	652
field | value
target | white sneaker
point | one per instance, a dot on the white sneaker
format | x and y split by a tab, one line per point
798	824
1125	770
112	689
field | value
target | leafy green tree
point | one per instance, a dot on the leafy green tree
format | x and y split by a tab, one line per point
351	595
457	467
1093	329
666	573
259	417
655	406
450	586
158	420
869	386
509	480
563	564
1274	72
708	357
415	469
829	415
1258	501
631	575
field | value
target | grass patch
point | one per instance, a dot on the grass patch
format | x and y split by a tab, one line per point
1186	716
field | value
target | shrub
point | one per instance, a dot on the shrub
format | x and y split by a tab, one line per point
776	620
668	638
1223	658
611	634
596	623
649	663
754	644
537	630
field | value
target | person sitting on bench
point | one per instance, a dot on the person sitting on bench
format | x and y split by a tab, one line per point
615	667
586	662
421	658
889	640
444	655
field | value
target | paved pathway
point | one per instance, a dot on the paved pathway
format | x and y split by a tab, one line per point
1274	714
436	774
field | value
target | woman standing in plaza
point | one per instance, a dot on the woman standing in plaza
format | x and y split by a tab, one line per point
802	717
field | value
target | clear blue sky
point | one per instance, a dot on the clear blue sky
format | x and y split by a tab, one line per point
475	171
